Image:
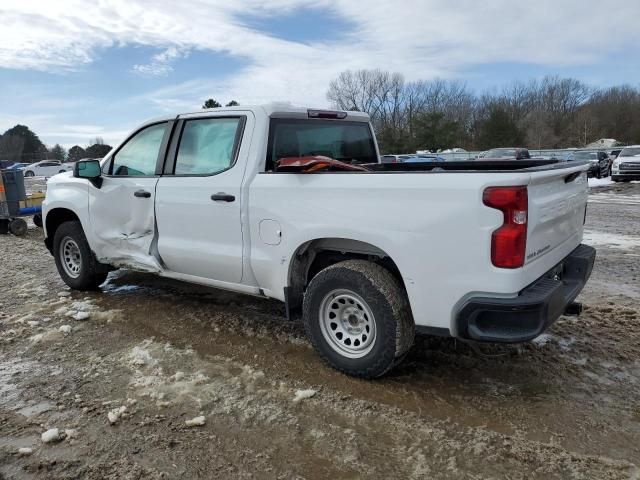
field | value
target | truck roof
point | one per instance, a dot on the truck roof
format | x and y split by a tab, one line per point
273	110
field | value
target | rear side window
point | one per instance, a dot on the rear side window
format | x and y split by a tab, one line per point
207	146
350	142
138	157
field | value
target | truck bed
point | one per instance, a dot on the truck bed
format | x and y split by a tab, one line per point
469	165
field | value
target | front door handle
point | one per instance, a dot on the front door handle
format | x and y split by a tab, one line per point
222	197
142	194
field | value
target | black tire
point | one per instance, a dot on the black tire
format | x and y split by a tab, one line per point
29	173
386	299
62	171
18	227
91	272
4	226
37	220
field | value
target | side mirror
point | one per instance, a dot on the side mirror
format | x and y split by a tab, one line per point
89	169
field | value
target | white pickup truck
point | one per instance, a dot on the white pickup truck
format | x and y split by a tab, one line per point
477	250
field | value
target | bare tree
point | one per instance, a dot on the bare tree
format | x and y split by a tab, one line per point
553	112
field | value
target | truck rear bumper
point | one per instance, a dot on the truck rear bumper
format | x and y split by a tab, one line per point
519	319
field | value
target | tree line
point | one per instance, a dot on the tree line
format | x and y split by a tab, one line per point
211	103
553	112
20	144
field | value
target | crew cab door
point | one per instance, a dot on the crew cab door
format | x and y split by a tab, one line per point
121	211
198	198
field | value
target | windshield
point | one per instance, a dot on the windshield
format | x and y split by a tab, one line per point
501	152
584	156
630	152
350	142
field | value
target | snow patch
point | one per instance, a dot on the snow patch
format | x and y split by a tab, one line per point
83	306
195	422
24	451
542	340
82	316
140	355
52	435
115	414
611	240
220	384
49	335
303	395
65	329
600	182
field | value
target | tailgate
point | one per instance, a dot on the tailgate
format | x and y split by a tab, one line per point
557	203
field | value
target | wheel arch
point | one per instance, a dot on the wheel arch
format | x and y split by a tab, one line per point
315	255
56	217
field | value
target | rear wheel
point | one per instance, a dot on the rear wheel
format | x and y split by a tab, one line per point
29	173
4	226
358	319
75	261
37	220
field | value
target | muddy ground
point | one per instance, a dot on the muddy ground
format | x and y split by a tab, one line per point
156	353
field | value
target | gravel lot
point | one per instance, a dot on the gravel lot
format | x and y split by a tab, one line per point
120	372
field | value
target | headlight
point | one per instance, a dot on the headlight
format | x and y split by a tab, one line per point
617	162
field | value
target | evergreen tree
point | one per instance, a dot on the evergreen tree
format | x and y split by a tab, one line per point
210	103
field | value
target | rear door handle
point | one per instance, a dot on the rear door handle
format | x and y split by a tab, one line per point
222	197
142	194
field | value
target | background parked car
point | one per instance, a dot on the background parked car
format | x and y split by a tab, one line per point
613	154
47	168
507	153
627	166
424	158
599	164
18	166
393	158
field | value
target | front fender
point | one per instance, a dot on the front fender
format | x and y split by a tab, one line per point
65	192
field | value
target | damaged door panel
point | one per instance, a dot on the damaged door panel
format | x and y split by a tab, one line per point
126	223
122	209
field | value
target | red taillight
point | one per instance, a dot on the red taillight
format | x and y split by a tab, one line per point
509	242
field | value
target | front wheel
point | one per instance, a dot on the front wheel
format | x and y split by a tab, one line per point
358	319
75	261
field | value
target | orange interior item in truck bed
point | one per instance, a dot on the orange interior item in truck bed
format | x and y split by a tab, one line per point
315	163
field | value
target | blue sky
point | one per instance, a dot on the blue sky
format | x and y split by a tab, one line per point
73	70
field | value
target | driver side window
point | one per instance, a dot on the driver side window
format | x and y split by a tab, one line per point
138	157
